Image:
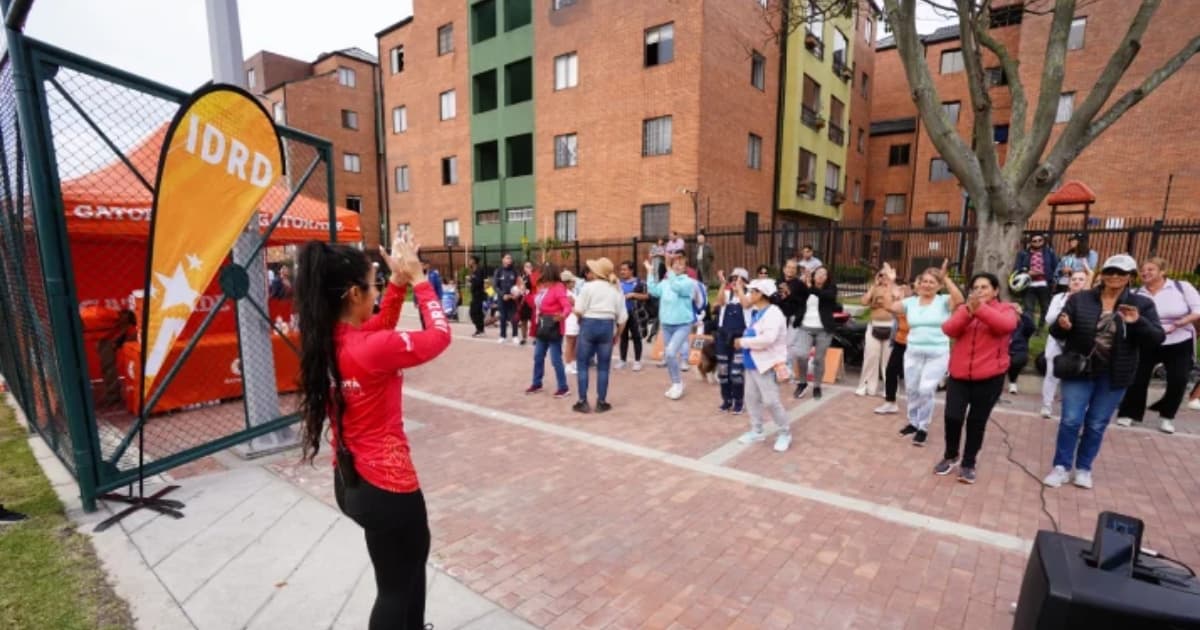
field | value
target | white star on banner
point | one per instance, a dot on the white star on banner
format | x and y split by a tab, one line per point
178	289
194	262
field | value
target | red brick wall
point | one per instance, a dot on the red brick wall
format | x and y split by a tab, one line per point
428	139
615	94
860	119
272	69
890	99
1128	165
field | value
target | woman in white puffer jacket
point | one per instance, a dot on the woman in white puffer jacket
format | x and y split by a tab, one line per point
764	354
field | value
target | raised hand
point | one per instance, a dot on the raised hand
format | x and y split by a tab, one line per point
1064	322
404	261
1129	313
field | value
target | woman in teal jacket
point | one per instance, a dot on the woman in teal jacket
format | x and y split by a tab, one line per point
676	314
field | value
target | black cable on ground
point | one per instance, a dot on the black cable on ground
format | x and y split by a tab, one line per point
1036	479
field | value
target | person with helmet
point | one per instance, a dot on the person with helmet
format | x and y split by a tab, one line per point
1041	263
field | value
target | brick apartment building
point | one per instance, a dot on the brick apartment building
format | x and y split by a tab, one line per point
1127	166
588	119
333	97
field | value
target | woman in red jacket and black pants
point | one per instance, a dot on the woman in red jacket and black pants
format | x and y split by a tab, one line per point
981	329
352	371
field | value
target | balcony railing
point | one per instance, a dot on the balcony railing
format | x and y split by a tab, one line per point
806	188
811	117
830	195
837	134
814	44
840	68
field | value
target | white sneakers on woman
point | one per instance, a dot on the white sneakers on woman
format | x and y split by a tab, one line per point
675	392
1060	475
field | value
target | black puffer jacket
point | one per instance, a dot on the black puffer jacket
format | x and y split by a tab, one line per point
827	304
1084	309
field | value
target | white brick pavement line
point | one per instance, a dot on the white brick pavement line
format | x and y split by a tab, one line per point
733	448
1000	540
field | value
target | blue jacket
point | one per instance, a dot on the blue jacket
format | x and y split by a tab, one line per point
1019	344
1049	263
675	305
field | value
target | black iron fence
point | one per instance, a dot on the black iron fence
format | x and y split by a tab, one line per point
853	252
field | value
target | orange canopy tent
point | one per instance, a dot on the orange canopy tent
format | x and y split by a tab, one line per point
113	202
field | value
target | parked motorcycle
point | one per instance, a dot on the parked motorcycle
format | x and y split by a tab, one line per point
851	336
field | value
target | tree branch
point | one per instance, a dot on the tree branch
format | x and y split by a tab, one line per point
950	145
1024	157
1135	96
969	22
1016	89
1074	137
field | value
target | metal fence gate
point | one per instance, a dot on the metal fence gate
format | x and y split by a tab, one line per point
72	129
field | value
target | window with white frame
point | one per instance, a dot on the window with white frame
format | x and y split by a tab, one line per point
401	179
841	47
566	151
816	20
349	119
562	4
397	57
656	136
1075	37
520	215
857	191
950	111
400	119
347	77
448	105
445	39
487	217
1066	107
565	222
566	71
754	152
868	27
351	162
939	170
660	45
354	203
251	79
952	61
758	71
449	170
279	113
894	204
450	232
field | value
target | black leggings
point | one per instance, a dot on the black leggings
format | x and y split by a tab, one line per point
1176	359
477	315
893	372
397	531
631	332
974	400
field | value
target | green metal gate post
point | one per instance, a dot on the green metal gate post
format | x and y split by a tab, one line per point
74	387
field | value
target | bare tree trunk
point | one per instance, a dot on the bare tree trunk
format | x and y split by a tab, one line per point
996	245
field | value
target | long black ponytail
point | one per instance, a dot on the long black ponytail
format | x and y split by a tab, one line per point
324	274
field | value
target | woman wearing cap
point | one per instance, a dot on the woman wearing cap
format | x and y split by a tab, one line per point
1101	331
1080	280
551	307
676	313
601	311
979	361
764	354
878	349
731	323
928	353
1077	258
816	302
1178	307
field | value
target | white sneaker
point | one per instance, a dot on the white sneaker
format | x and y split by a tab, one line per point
750	437
618	365
501	340
783	442
1194	405
861	391
516	341
887	407
1083	478
1046	413
1124	422
1012	388
1057	477
676	391
637	366
570	367
685	367
1166	426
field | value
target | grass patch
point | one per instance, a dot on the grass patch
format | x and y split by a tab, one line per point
49	575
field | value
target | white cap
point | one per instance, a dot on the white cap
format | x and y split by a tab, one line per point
740	272
1124	262
764	286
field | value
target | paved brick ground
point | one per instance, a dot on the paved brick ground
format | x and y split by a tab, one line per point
619	526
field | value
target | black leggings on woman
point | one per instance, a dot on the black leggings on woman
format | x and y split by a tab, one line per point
632	331
1176	359
893	371
974	400
397	531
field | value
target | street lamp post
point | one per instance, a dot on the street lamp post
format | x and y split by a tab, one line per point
695	195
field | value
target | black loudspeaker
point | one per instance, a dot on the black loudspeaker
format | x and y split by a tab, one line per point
1072	583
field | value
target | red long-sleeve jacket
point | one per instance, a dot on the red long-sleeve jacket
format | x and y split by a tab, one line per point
980	349
372	358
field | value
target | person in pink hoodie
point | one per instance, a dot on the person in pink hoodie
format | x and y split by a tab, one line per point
551	306
981	329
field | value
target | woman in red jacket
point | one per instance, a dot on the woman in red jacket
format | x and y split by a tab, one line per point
551	308
981	329
352	371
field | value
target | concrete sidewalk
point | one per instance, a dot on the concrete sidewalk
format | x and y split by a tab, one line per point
253	551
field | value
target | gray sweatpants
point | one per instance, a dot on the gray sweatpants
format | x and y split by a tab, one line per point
763	391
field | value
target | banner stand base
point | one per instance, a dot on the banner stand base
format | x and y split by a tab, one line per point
284	439
169	507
